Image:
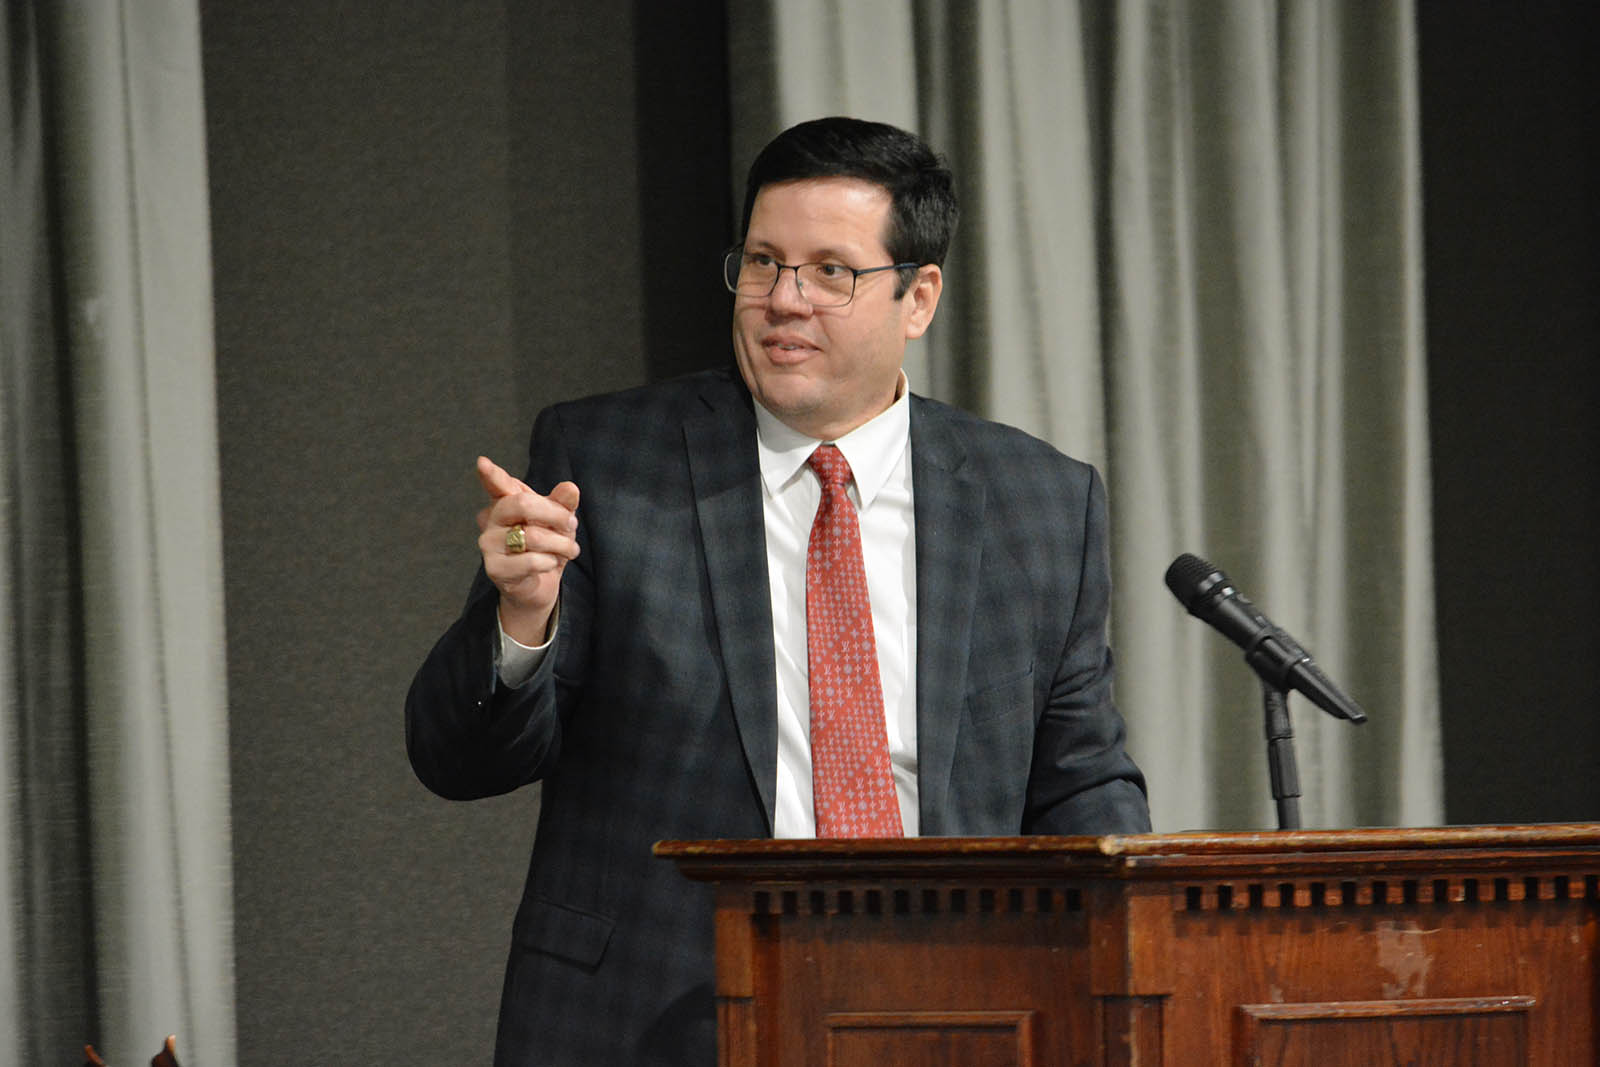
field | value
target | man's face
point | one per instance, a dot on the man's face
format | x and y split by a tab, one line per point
825	371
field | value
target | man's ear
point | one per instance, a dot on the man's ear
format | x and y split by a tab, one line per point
922	299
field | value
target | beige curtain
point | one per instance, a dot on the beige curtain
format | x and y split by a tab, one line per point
114	841
1190	253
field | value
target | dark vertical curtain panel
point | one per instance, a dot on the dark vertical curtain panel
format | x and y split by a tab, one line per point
48	995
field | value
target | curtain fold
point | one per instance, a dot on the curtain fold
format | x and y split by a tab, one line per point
113	725
1190	253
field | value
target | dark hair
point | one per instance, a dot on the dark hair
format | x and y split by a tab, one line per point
923	212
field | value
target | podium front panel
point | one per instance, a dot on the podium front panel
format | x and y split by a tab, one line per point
1448	946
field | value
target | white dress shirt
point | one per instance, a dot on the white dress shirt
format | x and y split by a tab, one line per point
879	454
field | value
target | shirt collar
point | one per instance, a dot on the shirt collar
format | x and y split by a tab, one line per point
872	449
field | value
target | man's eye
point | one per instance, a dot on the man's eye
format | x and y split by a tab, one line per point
760	259
831	270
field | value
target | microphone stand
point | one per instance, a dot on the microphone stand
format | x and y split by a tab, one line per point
1280	756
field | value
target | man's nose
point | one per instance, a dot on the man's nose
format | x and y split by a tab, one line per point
787	295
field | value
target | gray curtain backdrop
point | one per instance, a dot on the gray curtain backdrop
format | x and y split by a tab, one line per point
115	910
1191	254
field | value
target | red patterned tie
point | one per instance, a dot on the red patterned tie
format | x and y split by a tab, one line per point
851	783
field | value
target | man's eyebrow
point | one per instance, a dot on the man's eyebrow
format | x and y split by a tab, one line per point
817	255
759	246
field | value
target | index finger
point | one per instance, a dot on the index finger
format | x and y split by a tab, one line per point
497	482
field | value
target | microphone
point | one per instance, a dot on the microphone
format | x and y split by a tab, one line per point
1209	596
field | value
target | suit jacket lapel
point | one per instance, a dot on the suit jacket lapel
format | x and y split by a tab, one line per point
949	505
725	472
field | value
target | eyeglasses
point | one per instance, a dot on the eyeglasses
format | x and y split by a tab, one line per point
823	285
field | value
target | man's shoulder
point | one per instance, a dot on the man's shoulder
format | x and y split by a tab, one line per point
982	440
1034	494
647	416
644	435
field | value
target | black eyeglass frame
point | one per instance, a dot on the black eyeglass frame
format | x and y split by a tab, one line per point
734	256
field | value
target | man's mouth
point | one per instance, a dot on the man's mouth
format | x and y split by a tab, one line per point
787	352
786	344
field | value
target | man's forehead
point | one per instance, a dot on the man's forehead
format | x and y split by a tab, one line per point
827	211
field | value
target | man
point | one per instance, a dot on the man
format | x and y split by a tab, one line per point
649	656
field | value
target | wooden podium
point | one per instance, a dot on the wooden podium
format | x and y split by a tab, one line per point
1438	946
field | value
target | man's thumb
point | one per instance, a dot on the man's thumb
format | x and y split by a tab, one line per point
565	494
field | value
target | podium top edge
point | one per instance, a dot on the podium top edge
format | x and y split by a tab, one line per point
1581	836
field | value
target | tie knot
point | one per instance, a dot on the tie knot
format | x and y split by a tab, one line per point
831	466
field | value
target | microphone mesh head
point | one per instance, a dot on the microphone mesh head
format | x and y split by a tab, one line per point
1186	575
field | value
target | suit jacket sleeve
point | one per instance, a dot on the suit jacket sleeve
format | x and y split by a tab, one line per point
1082	779
467	735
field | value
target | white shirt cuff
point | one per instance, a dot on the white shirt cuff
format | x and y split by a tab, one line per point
518	662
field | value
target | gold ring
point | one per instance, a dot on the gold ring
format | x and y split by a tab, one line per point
515	541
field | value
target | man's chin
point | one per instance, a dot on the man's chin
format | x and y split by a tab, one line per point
782	389
789	407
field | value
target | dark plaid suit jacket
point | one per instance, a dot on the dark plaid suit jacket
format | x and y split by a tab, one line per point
656	717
